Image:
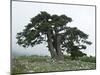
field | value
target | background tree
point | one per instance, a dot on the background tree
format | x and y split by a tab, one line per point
74	41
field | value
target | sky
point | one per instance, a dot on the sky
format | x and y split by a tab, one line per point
83	17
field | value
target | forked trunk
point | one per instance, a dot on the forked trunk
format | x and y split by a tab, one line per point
56	44
58	49
50	45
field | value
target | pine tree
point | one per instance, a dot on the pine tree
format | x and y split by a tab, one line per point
55	29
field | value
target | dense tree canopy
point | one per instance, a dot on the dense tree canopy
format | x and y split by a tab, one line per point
58	35
74	40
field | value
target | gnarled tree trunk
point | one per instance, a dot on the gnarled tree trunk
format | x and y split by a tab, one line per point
58	48
54	42
50	45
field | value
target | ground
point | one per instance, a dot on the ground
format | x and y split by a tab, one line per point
28	64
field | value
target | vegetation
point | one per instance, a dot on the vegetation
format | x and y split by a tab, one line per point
88	59
53	29
28	64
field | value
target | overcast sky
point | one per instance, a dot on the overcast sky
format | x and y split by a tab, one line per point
83	18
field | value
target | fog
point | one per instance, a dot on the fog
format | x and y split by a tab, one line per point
83	18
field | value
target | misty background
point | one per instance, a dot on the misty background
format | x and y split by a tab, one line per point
83	18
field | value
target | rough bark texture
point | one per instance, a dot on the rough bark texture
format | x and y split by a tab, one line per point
50	46
54	42
58	50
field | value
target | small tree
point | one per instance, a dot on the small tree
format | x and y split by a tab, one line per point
74	40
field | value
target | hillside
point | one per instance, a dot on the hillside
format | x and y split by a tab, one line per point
28	64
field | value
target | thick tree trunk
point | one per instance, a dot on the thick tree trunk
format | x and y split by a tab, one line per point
56	44
58	49
50	45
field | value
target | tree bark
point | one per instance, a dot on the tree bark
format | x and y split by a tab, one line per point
56	44
50	45
58	50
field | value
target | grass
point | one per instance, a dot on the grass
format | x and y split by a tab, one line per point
26	64
88	59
